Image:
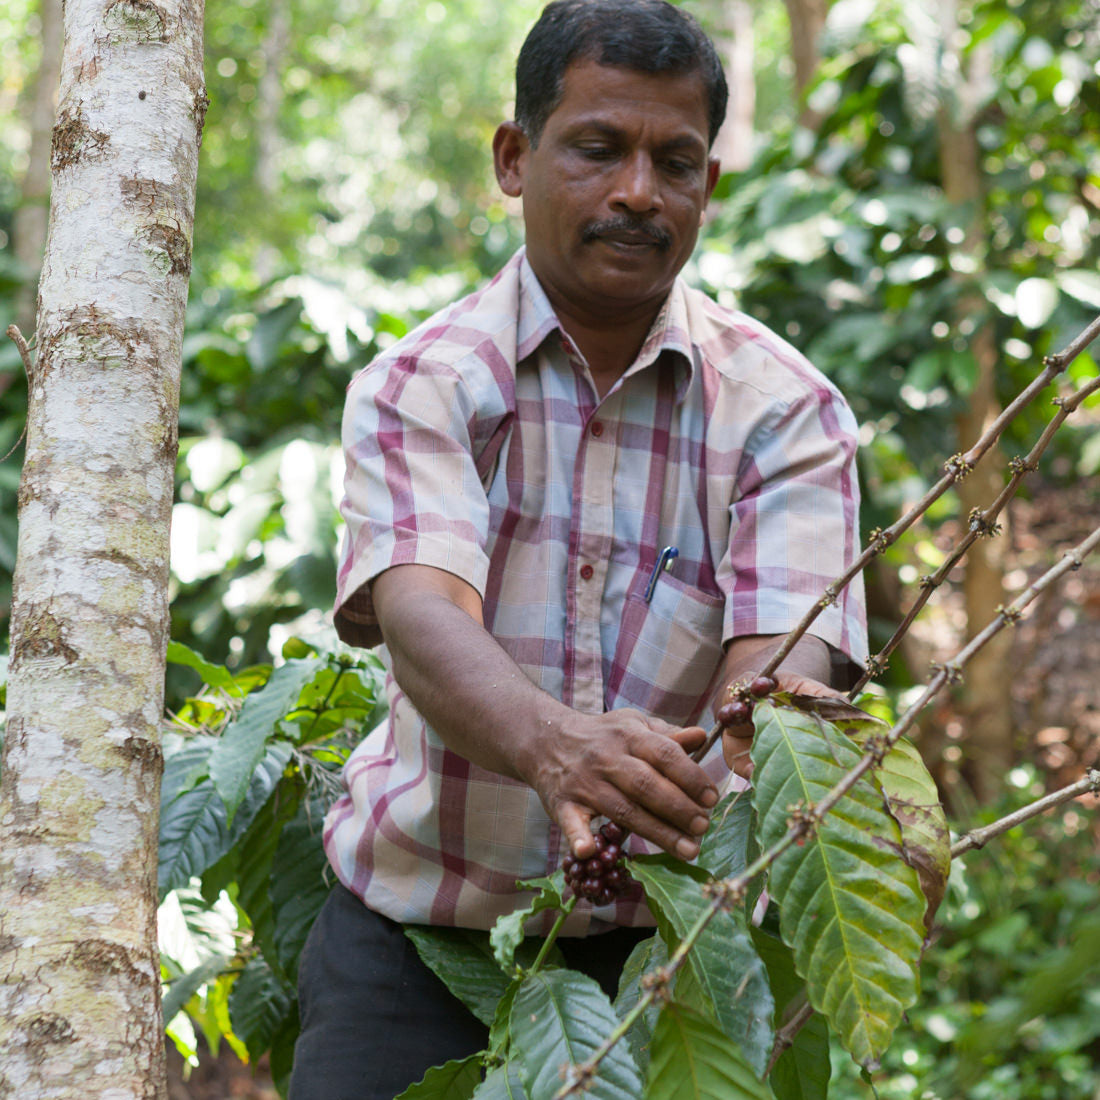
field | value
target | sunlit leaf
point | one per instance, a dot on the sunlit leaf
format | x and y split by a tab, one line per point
850	907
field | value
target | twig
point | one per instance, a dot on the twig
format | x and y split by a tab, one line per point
579	1075
784	1037
978	838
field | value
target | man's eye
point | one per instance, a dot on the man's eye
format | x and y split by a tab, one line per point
597	152
679	167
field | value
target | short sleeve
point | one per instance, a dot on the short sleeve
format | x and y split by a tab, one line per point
412	494
794	525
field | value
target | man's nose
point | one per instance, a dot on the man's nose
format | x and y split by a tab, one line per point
637	187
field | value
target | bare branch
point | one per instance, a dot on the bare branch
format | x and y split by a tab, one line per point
24	351
978	838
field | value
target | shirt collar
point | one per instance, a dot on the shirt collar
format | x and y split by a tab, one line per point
668	333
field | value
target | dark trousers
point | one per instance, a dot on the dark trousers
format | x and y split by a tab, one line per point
375	1018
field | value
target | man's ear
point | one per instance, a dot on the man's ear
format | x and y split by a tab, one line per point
510	145
714	170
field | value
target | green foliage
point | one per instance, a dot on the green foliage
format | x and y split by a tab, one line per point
250	769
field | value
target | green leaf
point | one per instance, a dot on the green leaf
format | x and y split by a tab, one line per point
559	1018
455	1080
802	1070
694	1060
646	956
507	933
730	842
914	802
282	1050
723	961
259	1004
502	1084
849	906
463	959
299	883
217	676
187	985
241	745
194	826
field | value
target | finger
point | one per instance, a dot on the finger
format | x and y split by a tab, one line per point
689	738
666	756
803	685
575	822
736	752
653	794
646	825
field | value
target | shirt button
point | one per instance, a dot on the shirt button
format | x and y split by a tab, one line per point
597	428
586	572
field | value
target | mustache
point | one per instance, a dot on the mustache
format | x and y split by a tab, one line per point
623	223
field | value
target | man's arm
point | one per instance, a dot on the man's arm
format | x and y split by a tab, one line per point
622	764
806	670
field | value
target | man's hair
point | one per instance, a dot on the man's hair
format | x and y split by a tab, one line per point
648	36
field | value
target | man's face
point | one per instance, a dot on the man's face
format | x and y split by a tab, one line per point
614	193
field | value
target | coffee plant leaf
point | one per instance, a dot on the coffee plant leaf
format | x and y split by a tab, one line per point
282	1050
183	988
558	1019
259	1003
646	956
455	1080
507	933
216	676
723	961
241	745
195	831
914	801
802	1071
463	959
693	1059
503	1083
850	907
729	844
255	858
300	881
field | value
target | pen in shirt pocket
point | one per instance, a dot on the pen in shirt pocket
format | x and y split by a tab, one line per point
663	564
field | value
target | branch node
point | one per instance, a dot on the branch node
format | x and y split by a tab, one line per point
732	896
578	1078
982	527
1020	465
952	672
803	820
878	540
927	580
658	981
1010	615
828	598
958	467
876	747
876	664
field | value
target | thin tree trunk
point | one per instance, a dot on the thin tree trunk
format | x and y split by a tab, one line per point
986	703
29	221
734	144
269	103
79	972
807	19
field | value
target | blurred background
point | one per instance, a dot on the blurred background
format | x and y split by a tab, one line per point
911	196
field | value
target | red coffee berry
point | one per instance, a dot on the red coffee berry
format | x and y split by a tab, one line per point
605	897
599	841
611	855
612	833
762	686
593	867
591	887
737	713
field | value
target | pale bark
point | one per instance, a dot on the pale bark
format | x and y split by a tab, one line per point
807	19
986	704
734	144
79	971
29	221
269	104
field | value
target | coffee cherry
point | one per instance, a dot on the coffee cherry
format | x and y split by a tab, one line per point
593	868
762	686
599	841
612	833
591	888
737	713
615	878
600	878
611	855
606	896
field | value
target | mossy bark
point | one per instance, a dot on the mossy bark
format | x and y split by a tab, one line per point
79	971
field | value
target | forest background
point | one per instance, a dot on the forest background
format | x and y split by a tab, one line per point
912	198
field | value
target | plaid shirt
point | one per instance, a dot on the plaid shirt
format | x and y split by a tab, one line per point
478	445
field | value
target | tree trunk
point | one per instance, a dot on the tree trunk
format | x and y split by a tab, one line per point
986	704
79	971
734	144
807	19
269	104
29	222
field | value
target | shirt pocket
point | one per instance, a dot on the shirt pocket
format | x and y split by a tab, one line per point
668	650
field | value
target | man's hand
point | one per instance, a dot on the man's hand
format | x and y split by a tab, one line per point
622	765
737	740
630	768
804	672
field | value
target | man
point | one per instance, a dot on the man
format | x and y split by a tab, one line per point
580	502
